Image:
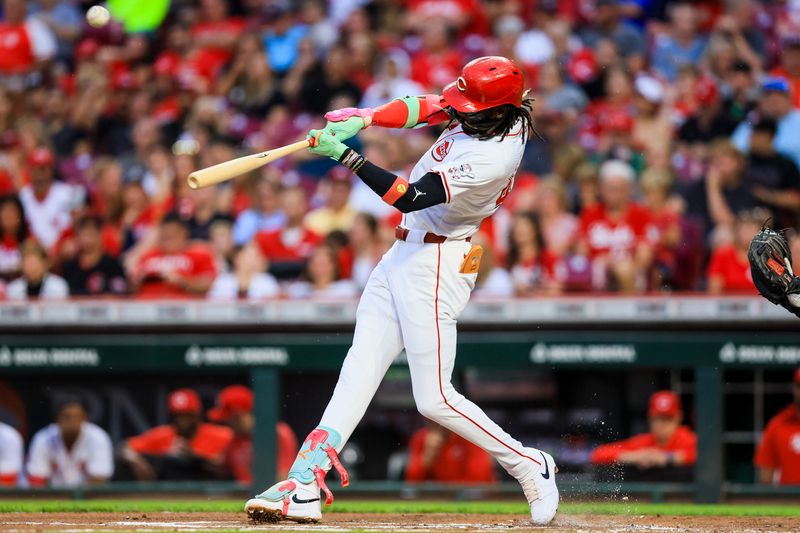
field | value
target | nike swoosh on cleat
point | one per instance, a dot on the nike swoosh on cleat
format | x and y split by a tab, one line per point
295	499
546	474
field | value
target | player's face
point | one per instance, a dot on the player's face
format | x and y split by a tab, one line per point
14	10
250	259
41	176
89	238
775	104
663	427
33	267
10	218
761	142
745	231
294	204
185	424
321	266
267	197
70	418
340	194
173	238
615	192
242	423
523	231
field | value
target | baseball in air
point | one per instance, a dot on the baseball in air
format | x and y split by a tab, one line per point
97	16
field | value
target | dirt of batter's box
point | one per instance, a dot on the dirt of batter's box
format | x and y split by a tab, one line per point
433	522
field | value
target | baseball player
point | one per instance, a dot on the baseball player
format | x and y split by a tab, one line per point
71	452
416	293
11	452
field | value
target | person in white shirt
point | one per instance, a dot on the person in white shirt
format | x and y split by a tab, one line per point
11	452
71	452
248	280
493	281
36	282
48	204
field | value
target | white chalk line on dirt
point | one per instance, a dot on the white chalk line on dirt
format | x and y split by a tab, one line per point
202	525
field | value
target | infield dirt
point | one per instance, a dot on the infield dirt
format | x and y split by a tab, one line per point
342	522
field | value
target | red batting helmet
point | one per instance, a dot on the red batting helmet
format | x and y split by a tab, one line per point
486	82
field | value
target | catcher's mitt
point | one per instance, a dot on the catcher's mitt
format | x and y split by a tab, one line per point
771	267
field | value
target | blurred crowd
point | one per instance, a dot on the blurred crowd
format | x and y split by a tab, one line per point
668	133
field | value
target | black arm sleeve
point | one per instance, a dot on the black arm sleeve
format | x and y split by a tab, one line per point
425	192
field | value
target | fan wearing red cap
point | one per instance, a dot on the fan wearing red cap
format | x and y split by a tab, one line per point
416	293
667	444
186	448
709	120
234	408
778	454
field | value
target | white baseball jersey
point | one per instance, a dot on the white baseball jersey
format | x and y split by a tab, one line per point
49	217
417	291
477	176
91	456
11	451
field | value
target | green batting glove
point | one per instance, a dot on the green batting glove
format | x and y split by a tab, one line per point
345	129
326	144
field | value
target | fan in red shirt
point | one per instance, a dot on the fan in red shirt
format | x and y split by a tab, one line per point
186	448
617	234
728	269
437	64
436	454
468	16
667	444
175	267
778	455
789	68
292	244
24	41
215	36
234	408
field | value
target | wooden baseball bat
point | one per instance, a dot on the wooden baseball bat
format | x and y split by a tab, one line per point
242	165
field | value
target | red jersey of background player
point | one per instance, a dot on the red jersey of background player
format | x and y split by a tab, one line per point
779	451
618	237
209	60
289	244
195	260
683	440
734	270
780	447
210	441
239	456
458	461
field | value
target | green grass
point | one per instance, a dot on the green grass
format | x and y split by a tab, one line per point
381	507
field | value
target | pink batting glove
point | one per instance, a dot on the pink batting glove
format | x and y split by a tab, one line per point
340	115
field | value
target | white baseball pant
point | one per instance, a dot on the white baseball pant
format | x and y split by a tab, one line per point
412	301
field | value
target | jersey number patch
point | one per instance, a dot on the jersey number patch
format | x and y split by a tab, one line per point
505	191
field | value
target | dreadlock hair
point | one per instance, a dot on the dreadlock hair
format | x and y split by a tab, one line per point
496	121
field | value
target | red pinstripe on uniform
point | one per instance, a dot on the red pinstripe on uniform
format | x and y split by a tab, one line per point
439	362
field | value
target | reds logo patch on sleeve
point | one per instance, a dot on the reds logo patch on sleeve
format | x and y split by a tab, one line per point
440	150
